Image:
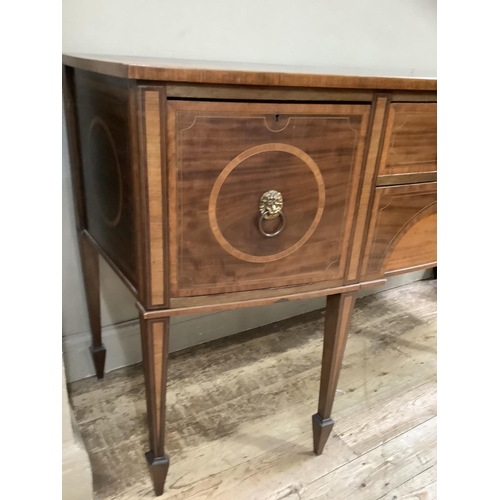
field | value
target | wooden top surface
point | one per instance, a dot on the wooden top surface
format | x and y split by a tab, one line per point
179	70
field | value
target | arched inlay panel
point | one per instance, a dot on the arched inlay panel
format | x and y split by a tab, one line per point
415	247
106	185
227	155
402	232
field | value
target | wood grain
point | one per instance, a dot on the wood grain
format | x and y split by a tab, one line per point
402	96
406	216
410	144
423	486
90	268
337	320
215	200
154	338
417	245
412	178
367	477
411	269
111	263
378	423
152	127
230	434
139	189
103	127
158	368
74	147
379	114
264	93
230	254
225	302
178	70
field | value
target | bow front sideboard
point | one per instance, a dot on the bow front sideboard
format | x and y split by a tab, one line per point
209	187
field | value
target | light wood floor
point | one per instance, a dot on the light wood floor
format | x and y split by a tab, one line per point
239	412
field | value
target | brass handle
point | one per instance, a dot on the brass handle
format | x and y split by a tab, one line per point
271	206
272	203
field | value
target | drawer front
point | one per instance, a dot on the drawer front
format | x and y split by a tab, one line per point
403	230
223	157
410	140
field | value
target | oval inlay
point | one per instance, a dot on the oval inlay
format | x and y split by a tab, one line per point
106	183
218	185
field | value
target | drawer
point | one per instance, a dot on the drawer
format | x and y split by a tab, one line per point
403	230
223	159
410	140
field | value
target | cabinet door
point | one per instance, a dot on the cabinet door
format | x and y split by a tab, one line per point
223	157
403	230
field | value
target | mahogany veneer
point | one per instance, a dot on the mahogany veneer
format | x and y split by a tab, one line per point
211	187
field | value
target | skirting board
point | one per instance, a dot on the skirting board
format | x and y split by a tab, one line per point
123	343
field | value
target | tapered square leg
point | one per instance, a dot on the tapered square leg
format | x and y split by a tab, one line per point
154	337
337	319
90	265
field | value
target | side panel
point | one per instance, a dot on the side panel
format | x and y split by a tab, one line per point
103	122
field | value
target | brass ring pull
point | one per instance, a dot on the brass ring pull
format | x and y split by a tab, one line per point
278	231
270	206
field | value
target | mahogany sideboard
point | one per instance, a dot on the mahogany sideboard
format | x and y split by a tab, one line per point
211	186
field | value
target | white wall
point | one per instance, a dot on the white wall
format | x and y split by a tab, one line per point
393	37
385	37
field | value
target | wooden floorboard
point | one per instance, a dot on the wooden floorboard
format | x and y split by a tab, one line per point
239	408
423	486
380	470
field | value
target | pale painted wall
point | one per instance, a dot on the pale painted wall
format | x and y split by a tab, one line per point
395	37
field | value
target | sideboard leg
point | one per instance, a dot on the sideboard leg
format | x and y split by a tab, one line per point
337	319
154	336
90	264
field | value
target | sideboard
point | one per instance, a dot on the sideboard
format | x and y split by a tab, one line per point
214	186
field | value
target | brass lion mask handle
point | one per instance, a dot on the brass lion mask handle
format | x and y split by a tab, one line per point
271	206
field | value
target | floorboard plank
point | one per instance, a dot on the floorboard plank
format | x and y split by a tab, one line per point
365	430
381	470
421	487
238	415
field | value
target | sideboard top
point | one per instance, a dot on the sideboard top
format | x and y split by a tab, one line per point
225	73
